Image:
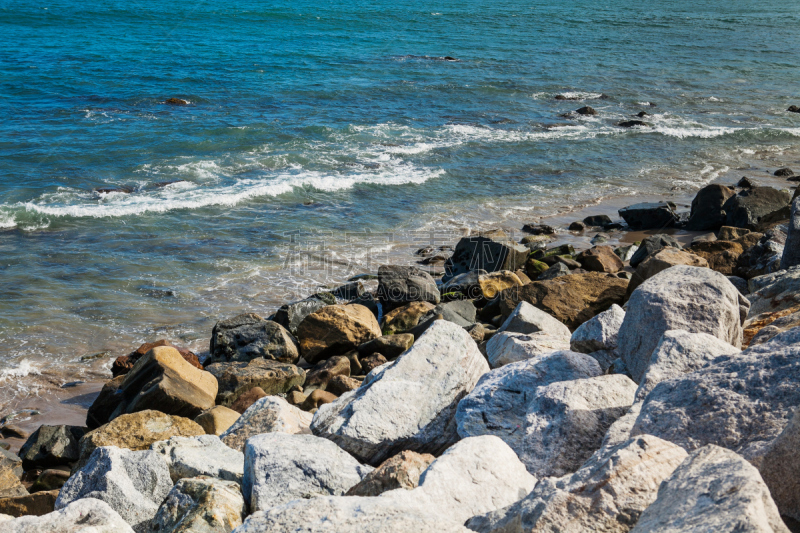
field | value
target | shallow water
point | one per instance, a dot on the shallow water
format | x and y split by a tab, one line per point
343	120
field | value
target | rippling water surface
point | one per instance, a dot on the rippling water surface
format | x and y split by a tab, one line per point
344	119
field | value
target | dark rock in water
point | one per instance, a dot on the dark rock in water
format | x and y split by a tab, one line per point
438	259
108	190
448	58
176	101
641	114
597	220
632	123
122	365
154	292
487	251
562	97
51	446
586	110
349	291
745	183
707	213
162	184
746	208
538	229
793	178
600	238
649	215
72	384
652	245
399	285
794	109
425	251
249	336
577	226
613	226
784	172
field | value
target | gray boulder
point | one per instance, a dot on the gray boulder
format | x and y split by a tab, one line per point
697	300
713	490
748	206
51	446
461	312
791	251
408	404
489	252
399	285
499	403
780	469
87	515
707	212
529	319
765	256
247	337
652	245
599	332
201	505
280	468
608	493
555	271
506	348
204	455
133	483
774	292
680	352
466	284
654	215
267	415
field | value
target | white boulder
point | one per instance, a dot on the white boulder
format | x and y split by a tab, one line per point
267	415
87	515
203	455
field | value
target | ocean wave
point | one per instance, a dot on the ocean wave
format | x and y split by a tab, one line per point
23	369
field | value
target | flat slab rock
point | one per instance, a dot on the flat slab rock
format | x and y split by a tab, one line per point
267	415
204	455
408	404
506	347
87	515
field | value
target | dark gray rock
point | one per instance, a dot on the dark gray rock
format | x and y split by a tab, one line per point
651	245
707	212
597	220
249	336
51	446
784	172
556	271
389	346
237	377
649	215
746	208
461	312
399	285
290	315
490	253
791	251
349	291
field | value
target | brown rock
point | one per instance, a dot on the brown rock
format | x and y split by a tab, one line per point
477	332
720	255
247	399
495	282
217	419
37	504
372	361
338	385
355	364
665	258
729	233
296	398
317	398
749	240
406	317
335	330
99	412
399	472
319	376
600	259
10	485
572	299
237	377
122	365
10	431
50	479
389	346
137	431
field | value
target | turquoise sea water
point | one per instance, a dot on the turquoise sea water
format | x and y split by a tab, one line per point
345	119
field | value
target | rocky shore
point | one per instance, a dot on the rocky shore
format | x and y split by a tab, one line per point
499	386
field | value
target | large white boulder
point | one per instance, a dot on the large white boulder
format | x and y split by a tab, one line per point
281	467
780	468
408	404
693	299
499	403
526	318
505	348
716	490
87	515
267	415
474	476
607	494
133	483
203	455
599	332
201	505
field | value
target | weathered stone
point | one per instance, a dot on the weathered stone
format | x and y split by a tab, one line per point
599	332
290	315
495	282
764	327
399	285
572	299
217	420
780	469
525	318
404	318
607	494
371	362
201	505
600	259
280	467
651	245
485	252
553	272
697	300
729	233
597	220
390	346
249	336
748	206
506	348
722	256
11	461
465	284
137	431
87	515
422	388
335	330
133	483
461	312
317	398
319	375
50	479
237	377
660	261
248	398
626	252
268	415
499	403
474	476
204	455
100	411
680	352
713	490
791	252
10	485
122	365
774	292
399	472
51	446
741	402
338	385
649	215
707	212
477	331
37	504
765	256
535	268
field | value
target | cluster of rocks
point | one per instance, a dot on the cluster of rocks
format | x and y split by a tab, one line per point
649	387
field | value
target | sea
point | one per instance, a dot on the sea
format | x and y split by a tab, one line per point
315	140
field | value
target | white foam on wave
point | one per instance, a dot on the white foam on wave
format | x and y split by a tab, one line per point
24	368
682	128
7	221
581	95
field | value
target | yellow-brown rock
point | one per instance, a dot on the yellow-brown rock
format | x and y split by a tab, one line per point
664	259
495	282
406	317
720	255
335	330
217	420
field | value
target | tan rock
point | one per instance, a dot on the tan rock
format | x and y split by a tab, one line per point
370	362
335	330
217	420
244	401
296	398
10	485
495	282
37	504
729	233
122	365
406	317
664	259
572	299
137	431
341	384
317	398
237	377
600	259
721	255
399	472
319	376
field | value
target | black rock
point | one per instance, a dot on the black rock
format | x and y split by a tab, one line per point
399	285
108	190
632	123
577	226
707	213
794	109
290	315
597	220
745	183
652	245
51	446
746	208
248	336
176	101
490	252
641	114
538	229
349	291
586	110
784	172
649	215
